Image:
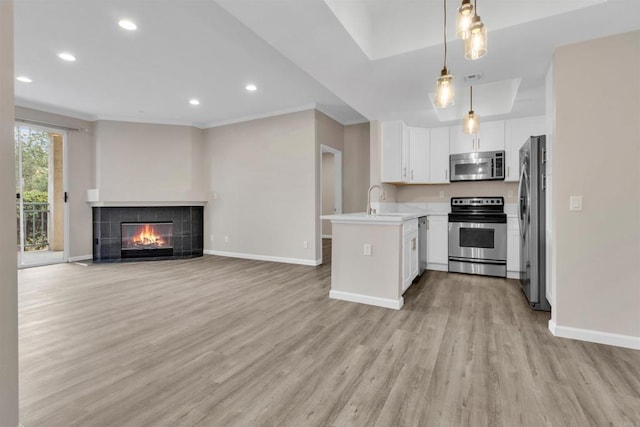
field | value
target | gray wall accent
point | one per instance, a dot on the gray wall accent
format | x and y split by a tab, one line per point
8	261
262	179
596	152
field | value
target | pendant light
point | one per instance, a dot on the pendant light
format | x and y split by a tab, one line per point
475	46
463	19
471	122
445	90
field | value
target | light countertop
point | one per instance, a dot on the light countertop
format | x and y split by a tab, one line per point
381	218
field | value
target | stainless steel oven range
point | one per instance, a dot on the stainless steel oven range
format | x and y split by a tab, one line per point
478	236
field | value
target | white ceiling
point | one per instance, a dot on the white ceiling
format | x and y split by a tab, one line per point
300	54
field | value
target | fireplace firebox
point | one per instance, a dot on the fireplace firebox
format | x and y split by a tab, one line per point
146	239
146	233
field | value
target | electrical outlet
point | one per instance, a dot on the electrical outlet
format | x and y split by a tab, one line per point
215	196
441	194
211	237
305	244
367	249
510	193
384	195
226	239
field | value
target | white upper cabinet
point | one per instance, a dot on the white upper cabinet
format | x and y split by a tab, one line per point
490	137
394	135
439	156
418	155
517	131
414	155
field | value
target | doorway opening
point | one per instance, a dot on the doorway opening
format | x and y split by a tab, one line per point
40	195
330	188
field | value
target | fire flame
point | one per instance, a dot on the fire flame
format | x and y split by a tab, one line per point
148	237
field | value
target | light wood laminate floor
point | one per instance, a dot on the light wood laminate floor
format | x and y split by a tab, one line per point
226	342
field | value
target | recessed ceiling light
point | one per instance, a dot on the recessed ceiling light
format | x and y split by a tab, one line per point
24	79
194	102
251	87
128	25
66	56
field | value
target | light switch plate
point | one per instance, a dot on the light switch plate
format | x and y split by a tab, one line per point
367	249
575	203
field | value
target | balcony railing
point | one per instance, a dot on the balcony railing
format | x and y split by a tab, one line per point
36	222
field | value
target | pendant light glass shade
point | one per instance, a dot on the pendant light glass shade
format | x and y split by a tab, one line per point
463	19
470	122
475	46
445	91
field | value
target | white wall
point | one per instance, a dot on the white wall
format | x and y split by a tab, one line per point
8	260
328	191
140	162
79	170
330	133
596	154
263	175
355	174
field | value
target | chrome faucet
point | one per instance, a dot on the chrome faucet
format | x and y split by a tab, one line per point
370	210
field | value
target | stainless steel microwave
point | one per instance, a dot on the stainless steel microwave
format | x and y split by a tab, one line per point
482	166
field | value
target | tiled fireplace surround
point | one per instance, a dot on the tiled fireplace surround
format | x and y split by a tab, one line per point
187	229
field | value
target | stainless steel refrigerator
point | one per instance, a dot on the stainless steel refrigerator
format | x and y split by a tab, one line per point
532	218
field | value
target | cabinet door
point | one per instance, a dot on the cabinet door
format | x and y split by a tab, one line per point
438	240
517	131
409	258
406	154
413	239
418	155
439	156
391	151
490	136
461	142
406	262
513	245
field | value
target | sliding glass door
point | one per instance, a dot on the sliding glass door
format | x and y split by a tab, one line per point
40	204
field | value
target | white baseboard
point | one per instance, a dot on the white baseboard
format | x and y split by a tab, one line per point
513	275
255	257
618	340
326	236
80	258
439	267
366	299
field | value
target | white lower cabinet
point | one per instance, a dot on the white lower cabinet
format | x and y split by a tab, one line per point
513	248
438	242
409	252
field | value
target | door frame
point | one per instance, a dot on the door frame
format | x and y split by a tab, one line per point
337	184
65	185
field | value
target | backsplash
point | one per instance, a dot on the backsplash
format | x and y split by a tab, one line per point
431	193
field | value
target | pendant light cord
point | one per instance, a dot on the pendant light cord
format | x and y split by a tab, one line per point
444	3
471	96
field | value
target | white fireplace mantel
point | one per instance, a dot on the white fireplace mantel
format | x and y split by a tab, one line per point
97	198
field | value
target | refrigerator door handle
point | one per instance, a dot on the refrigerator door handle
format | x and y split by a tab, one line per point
523	208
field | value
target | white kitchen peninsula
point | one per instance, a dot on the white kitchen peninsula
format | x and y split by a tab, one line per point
374	257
